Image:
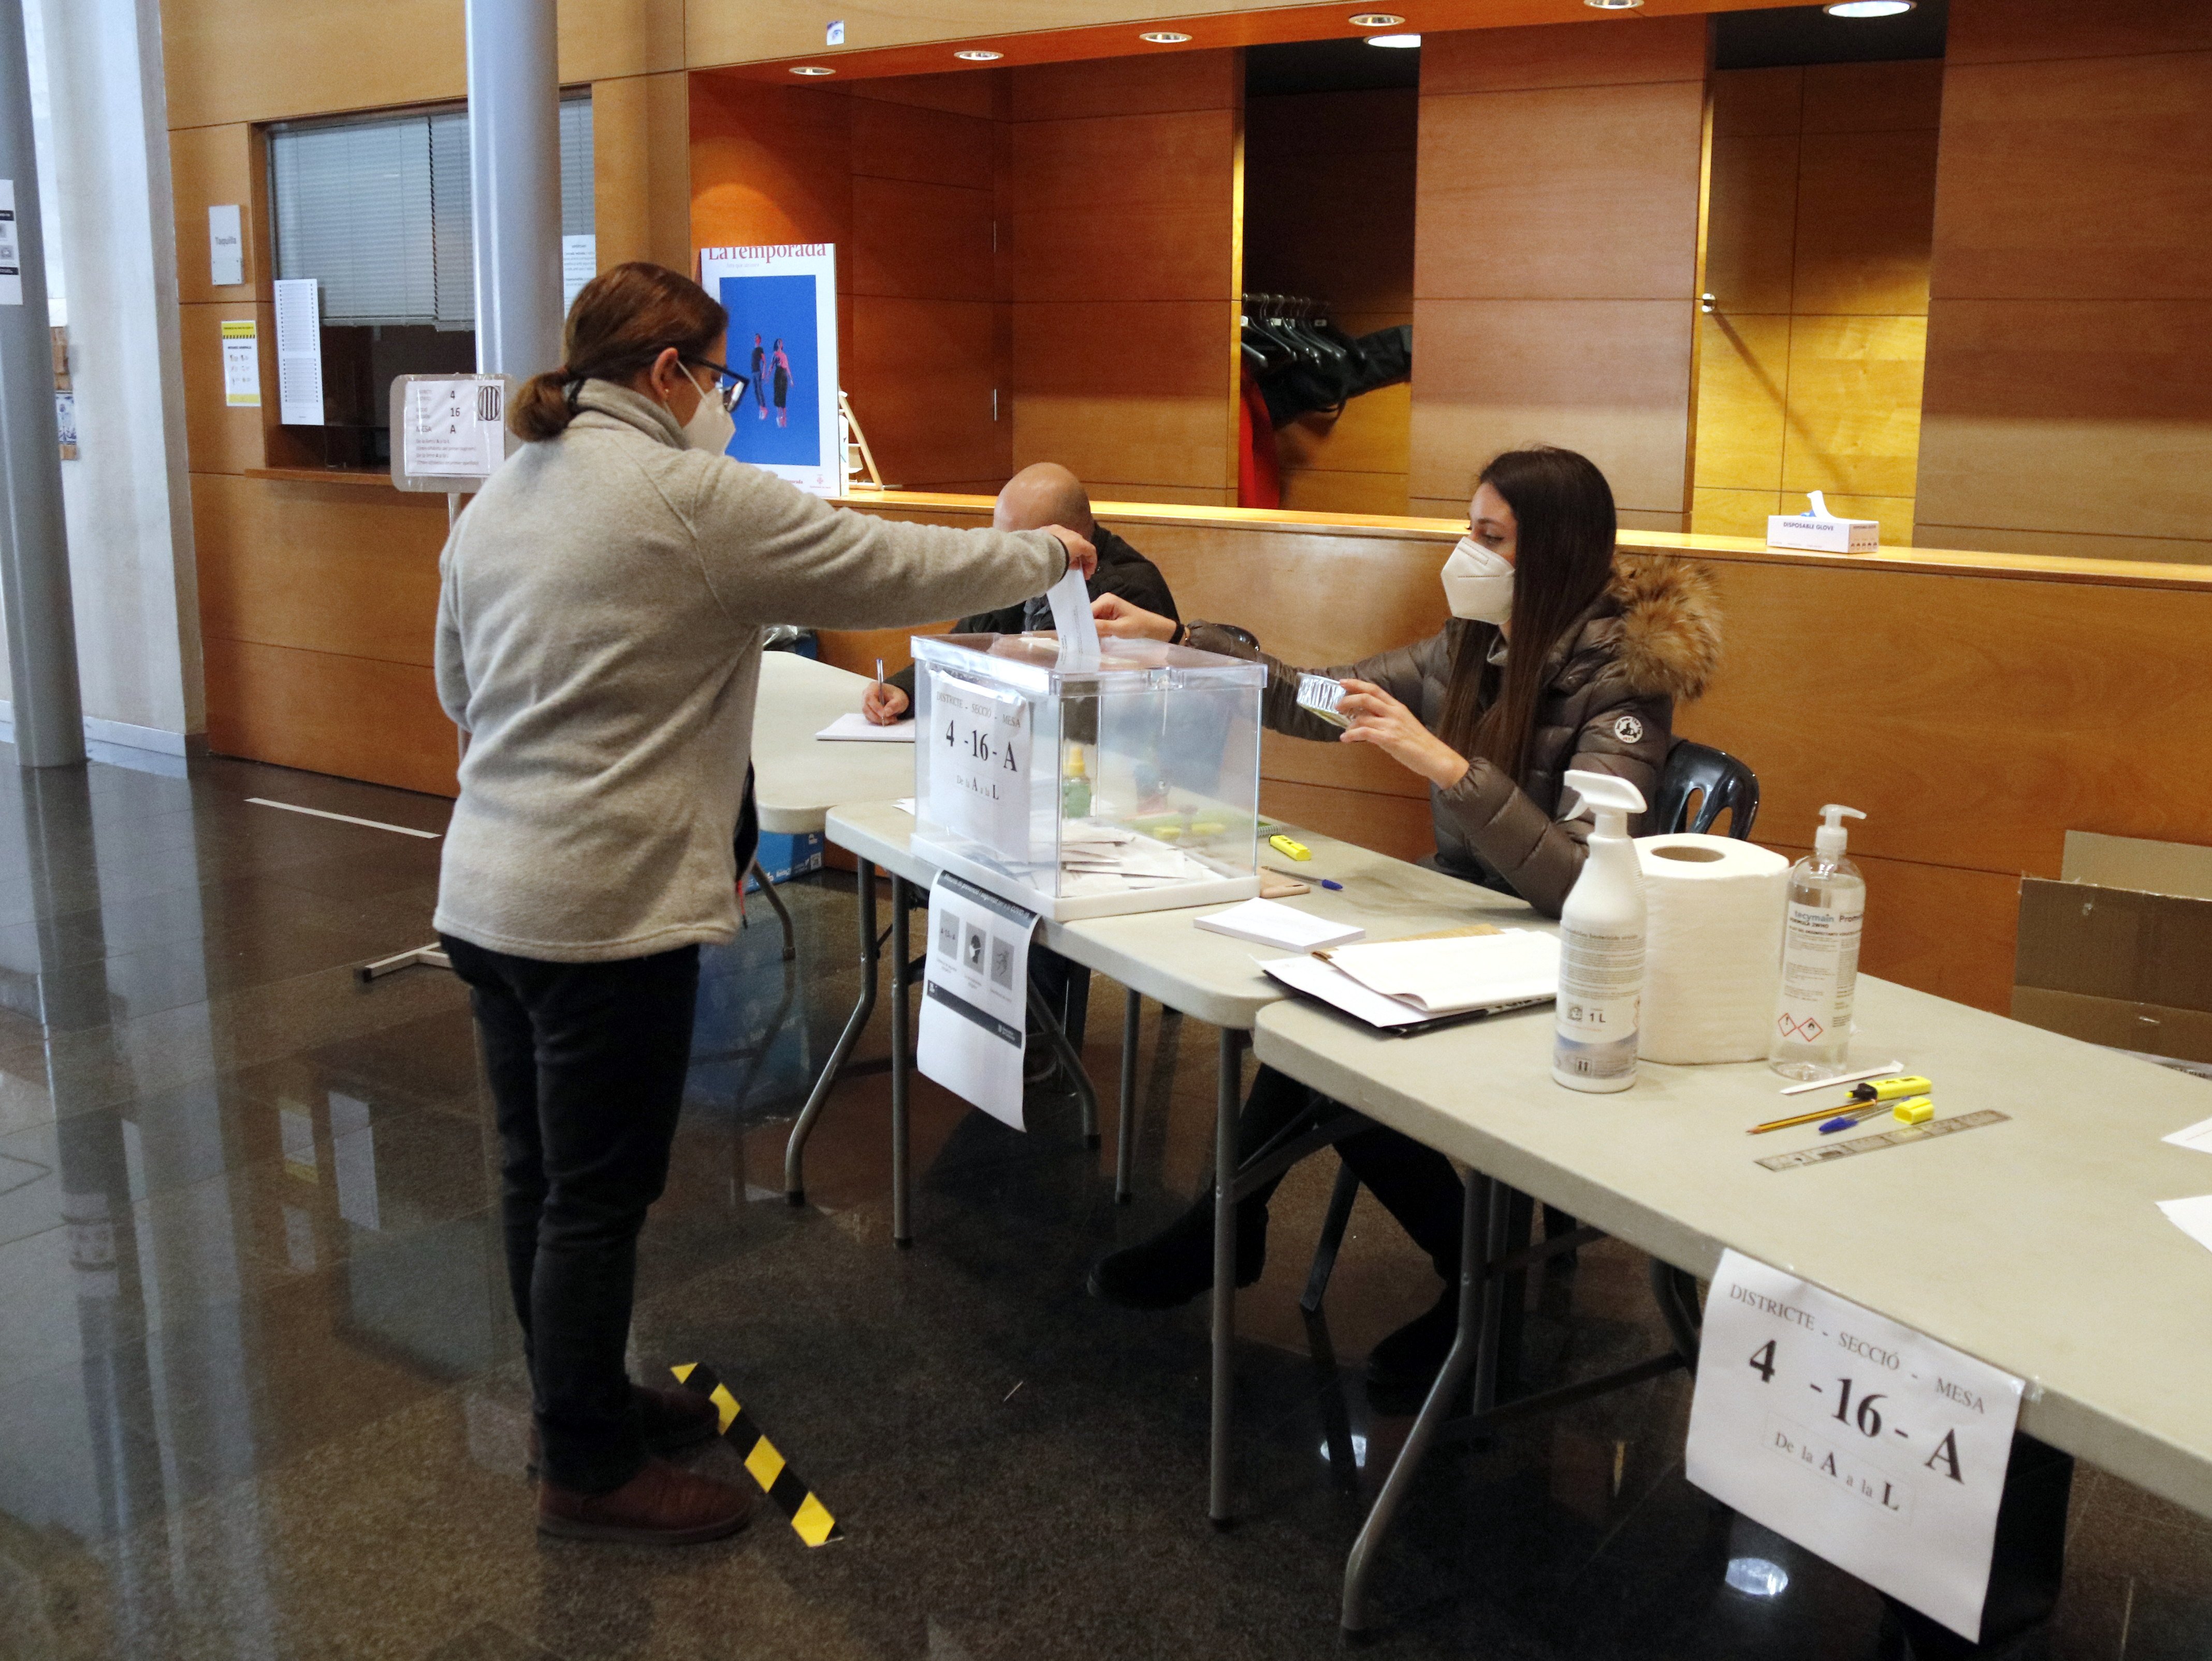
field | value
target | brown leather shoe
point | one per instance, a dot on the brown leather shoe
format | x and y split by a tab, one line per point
673	1420
662	1506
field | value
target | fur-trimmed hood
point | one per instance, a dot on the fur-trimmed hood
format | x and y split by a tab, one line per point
1659	624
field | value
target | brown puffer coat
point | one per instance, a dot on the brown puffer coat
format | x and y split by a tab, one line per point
1653	637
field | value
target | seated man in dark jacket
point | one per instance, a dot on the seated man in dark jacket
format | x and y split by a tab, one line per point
1046	494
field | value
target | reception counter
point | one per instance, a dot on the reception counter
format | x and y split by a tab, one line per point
1977	706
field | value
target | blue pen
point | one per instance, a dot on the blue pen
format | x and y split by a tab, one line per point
1326	883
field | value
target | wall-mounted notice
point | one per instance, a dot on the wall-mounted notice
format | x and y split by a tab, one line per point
11	262
299	352
580	263
453	428
241	364
782	302
1881	1449
226	247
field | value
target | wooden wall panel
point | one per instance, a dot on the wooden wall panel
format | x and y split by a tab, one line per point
275	554
641	170
1809	366
921	385
1122	205
1556	269
356	718
1328	214
1609	377
212	165
2072	280
220	438
1397	826
265	60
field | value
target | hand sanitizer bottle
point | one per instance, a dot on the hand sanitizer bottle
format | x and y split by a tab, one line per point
1820	956
1601	947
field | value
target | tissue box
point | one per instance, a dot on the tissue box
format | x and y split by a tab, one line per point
1126	782
1822	532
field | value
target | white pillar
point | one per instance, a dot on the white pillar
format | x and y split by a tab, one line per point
34	575
515	169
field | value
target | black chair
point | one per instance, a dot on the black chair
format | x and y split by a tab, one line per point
1716	780
1696	786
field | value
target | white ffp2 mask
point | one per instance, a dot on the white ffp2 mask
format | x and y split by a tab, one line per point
1479	582
710	427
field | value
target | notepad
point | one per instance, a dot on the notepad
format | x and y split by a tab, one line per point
1266	923
853	727
1442	976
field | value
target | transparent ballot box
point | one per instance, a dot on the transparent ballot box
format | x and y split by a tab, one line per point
1126	782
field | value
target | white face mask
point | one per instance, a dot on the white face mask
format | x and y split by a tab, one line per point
710	427
1479	582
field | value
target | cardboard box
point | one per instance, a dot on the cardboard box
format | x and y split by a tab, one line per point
1821	532
783	856
2119	950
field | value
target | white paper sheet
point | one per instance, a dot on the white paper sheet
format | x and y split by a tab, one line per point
453	429
853	727
1071	617
2193	1217
1857	1438
975	997
1264	923
299	352
2198	1136
1465	971
241	364
1315	976
226	246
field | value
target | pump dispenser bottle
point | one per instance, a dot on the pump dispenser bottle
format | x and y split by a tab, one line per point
1601	947
1820	956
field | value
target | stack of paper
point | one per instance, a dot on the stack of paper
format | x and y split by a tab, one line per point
1267	923
1396	983
1112	856
853	727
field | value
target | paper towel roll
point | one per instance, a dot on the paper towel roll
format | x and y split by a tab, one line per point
1712	951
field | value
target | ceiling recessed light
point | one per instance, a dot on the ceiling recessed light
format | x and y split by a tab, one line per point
977	55
1376	19
811	69
1164	38
1868	8
1400	41
1614	5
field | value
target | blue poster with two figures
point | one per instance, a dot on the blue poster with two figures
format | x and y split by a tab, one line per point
782	303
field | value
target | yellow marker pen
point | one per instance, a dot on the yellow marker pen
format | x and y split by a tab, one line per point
1290	848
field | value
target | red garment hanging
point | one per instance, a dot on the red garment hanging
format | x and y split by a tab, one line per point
1259	476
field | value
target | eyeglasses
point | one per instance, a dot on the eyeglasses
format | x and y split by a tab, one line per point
729	384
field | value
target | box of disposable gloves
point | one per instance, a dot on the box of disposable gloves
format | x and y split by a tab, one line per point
1821	532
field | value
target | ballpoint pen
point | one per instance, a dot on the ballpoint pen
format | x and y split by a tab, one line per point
1874	1094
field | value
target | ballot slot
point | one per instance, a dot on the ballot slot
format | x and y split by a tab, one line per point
1080	783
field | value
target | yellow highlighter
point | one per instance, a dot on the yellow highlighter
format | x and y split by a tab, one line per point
1289	847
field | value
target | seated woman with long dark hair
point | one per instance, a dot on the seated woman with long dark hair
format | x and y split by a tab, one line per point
1561	654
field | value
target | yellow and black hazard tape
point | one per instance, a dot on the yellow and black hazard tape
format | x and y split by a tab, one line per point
810	1519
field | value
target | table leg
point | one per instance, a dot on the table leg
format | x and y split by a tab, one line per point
794	1154
1125	1148
1228	1075
1474	1283
1499	1206
782	911
901	1018
1071	1063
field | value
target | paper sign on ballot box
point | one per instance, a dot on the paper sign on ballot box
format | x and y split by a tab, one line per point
1861	1439
975	997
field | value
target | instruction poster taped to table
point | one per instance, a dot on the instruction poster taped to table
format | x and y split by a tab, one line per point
975	997
1872	1444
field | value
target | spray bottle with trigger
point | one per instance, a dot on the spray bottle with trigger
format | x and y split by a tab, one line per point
1601	947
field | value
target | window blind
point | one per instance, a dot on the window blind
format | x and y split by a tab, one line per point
378	211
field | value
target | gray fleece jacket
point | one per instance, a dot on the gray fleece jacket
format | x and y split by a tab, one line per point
599	642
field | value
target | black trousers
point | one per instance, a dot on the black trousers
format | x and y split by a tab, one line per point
586	1063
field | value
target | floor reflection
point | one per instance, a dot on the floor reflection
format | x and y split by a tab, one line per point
258	1387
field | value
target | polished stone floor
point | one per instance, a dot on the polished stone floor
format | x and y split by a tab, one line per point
258	1397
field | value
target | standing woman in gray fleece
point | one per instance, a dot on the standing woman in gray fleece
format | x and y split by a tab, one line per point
598	646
